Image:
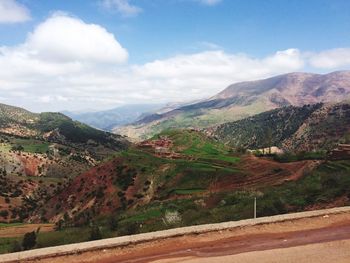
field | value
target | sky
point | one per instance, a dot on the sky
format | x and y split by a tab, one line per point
99	54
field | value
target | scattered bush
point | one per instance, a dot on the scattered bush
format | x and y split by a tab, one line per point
29	240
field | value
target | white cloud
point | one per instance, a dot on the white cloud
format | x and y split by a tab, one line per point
330	59
123	7
68	64
13	12
58	85
62	38
209	2
218	64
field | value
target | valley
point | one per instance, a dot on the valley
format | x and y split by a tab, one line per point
174	131
90	184
191	179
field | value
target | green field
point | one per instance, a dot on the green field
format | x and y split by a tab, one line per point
31	145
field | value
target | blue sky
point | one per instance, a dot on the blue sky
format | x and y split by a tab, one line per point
157	47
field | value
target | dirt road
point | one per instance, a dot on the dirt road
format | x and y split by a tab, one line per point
318	239
337	251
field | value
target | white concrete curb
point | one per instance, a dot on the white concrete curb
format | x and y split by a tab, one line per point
127	240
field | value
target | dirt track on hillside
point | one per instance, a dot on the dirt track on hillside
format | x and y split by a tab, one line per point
307	235
265	172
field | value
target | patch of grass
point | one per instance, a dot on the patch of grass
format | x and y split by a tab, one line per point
32	146
66	236
6	244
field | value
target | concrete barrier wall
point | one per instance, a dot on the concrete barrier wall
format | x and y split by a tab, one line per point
134	239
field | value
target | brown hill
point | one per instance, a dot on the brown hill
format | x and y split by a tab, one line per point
245	99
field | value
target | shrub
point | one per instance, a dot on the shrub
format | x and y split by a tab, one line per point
29	240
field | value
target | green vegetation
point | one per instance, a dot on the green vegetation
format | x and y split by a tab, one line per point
199	145
31	146
6	244
189	189
145	216
265	129
73	131
293	157
329	182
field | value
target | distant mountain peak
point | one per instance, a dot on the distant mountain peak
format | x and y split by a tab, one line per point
243	99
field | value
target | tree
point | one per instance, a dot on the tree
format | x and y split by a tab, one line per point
29	240
268	139
18	148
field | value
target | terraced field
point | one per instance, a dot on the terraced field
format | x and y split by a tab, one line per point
201	181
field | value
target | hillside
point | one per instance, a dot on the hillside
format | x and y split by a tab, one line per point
307	128
39	153
245	99
55	128
179	178
187	172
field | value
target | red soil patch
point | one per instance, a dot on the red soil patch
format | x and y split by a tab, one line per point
93	189
31	164
263	171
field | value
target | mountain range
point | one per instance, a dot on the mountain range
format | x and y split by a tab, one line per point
113	118
245	99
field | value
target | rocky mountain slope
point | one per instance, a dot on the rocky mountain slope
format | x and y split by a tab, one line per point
307	128
39	153
245	99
